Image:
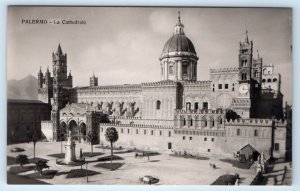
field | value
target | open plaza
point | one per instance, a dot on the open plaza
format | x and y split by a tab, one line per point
170	170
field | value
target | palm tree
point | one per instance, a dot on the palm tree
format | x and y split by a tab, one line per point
92	138
22	159
111	135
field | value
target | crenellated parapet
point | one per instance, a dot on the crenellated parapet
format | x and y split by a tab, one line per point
203	85
135	125
139	120
256	122
111	88
224	70
160	83
203	111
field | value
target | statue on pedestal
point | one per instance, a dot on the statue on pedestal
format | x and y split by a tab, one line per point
70	150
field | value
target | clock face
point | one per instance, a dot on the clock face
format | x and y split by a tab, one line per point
243	88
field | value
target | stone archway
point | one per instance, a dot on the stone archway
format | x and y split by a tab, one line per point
63	131
74	128
83	133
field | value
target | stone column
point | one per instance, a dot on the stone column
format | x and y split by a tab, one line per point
179	63
191	71
166	70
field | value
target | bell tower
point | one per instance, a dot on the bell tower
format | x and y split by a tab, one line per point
59	64
245	67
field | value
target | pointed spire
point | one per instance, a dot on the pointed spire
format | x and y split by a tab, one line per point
48	69
246	39
40	70
70	73
257	54
179	26
59	51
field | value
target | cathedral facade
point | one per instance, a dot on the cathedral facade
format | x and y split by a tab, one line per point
237	106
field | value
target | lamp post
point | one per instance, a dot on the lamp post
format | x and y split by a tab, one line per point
86	172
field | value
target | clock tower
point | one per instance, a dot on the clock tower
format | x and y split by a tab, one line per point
242	104
245	67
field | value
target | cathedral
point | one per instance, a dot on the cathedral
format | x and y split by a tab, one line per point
237	107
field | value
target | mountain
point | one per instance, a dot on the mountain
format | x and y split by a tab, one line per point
25	88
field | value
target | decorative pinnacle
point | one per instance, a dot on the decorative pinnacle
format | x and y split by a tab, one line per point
247	40
179	26
257	54
59	51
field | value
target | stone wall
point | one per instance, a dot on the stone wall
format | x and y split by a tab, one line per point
47	130
140	137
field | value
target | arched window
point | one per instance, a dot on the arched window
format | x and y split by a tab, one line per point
220	121
233	87
275	80
188	106
244	76
171	69
264	71
196	106
212	122
169	133
256	73
184	121
269	80
205	123
191	122
184	69
255	133
158	103
264	80
238	132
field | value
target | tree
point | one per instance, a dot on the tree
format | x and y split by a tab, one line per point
92	138
32	136
111	135
40	165
22	159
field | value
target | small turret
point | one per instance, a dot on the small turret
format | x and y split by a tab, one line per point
70	79
93	80
40	78
59	51
179	26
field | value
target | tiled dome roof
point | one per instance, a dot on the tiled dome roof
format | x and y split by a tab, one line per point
178	45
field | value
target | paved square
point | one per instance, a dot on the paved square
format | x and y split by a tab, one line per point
169	169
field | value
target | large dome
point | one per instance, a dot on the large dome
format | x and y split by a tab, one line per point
178	45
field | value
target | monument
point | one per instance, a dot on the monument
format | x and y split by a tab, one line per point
70	150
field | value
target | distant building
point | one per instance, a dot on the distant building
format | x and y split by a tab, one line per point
237	106
24	119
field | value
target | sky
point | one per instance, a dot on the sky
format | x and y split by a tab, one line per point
123	45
